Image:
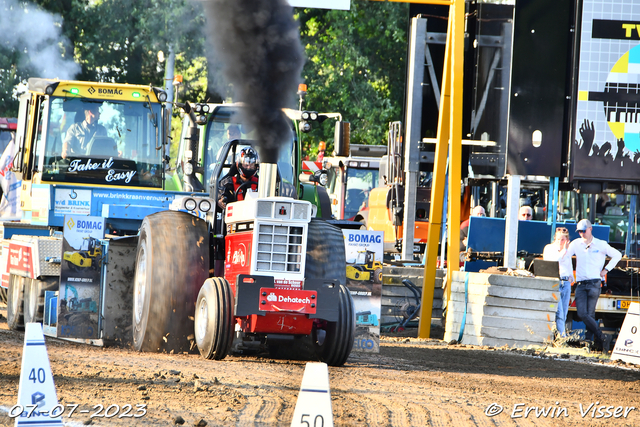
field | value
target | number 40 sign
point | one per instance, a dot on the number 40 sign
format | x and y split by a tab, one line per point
36	392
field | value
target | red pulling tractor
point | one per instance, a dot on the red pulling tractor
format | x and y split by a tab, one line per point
262	274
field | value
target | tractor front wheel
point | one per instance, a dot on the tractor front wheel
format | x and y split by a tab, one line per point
15	303
172	263
214	321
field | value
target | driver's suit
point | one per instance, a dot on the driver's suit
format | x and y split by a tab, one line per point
228	186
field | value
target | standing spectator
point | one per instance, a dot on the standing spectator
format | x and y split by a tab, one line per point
590	256
464	227
554	252
525	213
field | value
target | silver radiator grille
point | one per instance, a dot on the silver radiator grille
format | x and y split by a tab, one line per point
279	248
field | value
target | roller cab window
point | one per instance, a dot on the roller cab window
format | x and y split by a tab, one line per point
101	142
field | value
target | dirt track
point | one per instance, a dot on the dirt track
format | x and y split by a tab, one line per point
411	382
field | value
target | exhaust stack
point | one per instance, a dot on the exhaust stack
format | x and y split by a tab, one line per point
267	181
257	42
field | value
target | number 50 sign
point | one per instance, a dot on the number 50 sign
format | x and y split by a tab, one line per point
313	408
308	420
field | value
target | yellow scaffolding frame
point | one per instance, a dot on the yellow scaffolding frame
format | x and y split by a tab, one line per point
449	139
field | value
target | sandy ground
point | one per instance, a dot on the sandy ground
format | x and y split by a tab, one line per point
411	382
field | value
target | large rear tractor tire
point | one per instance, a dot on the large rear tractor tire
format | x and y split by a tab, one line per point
326	258
172	263
331	341
15	303
214	320
34	298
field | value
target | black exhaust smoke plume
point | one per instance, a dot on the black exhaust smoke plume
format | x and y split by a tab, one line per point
258	43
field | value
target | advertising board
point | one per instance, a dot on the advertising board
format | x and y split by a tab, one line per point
80	273
606	143
364	254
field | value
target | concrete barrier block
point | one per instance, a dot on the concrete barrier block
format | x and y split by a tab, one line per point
506	302
506	280
397	302
487	310
505	309
491	342
526	332
393	314
532	336
505	292
395	294
402	291
542	326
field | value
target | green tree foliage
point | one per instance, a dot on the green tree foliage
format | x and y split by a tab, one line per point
34	41
356	64
120	40
112	41
72	13
355	59
9	78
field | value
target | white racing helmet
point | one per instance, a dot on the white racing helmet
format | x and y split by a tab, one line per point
247	162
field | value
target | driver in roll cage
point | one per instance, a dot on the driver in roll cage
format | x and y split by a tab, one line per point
236	184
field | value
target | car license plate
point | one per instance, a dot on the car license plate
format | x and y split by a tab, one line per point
623	305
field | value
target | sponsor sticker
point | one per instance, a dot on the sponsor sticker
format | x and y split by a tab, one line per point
274	299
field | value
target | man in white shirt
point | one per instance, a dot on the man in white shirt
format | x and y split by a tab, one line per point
591	254
554	252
